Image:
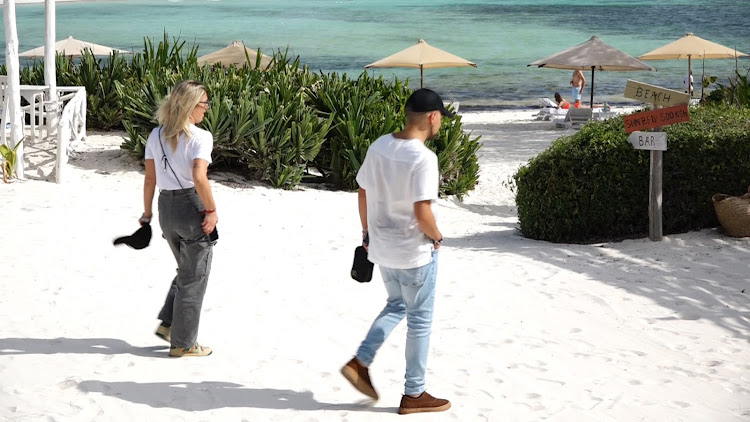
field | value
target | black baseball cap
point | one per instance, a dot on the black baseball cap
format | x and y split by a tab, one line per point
423	100
138	240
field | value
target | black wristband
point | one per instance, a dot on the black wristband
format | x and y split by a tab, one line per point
437	242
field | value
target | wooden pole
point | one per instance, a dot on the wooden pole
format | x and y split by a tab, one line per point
591	104
690	73
655	232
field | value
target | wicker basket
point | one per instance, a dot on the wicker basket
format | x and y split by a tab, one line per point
733	213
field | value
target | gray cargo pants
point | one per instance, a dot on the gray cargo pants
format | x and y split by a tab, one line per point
180	223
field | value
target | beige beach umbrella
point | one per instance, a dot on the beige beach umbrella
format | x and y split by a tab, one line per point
691	47
422	56
236	53
593	54
73	47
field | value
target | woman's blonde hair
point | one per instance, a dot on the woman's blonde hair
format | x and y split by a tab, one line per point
174	112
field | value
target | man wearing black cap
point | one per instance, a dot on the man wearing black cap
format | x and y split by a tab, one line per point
398	186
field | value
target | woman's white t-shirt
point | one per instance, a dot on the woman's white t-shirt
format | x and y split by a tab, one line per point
198	146
395	174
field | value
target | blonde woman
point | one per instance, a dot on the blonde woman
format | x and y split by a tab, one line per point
177	157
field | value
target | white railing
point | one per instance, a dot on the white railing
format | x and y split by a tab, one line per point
71	126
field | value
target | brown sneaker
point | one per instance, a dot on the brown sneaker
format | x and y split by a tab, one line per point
197	350
424	403
359	376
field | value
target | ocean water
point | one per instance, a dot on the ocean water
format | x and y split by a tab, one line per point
501	36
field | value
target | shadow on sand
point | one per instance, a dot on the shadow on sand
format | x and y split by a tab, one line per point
674	275
207	395
101	346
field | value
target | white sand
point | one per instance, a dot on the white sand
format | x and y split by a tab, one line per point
524	330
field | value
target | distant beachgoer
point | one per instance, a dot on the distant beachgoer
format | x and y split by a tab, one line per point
398	184
561	103
187	212
685	83
578	82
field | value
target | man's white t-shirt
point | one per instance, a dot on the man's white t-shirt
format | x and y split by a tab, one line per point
397	173
198	145
685	82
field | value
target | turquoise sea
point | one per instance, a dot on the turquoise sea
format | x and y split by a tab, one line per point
501	36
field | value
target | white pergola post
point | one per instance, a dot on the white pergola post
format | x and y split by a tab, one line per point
50	66
13	90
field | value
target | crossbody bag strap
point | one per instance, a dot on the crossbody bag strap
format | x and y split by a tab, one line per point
213	235
164	158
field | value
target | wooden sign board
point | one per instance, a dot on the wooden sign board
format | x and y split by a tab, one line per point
656	118
655	141
654	94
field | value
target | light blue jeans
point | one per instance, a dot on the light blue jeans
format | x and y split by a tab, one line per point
411	294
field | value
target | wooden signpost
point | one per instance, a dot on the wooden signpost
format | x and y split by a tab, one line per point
656	142
655	95
656	118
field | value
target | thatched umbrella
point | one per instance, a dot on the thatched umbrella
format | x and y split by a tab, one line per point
691	47
236	53
74	48
593	54
422	56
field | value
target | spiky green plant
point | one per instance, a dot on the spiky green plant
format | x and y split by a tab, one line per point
9	163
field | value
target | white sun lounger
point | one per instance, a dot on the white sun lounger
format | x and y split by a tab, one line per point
575	117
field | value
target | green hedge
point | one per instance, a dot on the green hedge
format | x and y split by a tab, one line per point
594	186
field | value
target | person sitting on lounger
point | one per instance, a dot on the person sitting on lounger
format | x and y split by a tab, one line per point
560	102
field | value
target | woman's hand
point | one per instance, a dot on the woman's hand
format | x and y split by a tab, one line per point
209	222
144	220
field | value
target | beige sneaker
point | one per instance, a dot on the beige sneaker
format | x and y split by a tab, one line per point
163	332
359	376
197	350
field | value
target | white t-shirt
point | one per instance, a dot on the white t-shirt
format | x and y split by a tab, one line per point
199	145
397	173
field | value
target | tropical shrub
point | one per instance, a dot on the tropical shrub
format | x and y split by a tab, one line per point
735	93
367	108
99	77
274	125
10	157
593	185
364	109
457	158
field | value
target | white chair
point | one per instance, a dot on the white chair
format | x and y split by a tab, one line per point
546	102
575	117
550	113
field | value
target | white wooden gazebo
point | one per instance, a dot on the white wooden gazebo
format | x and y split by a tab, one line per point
70	115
